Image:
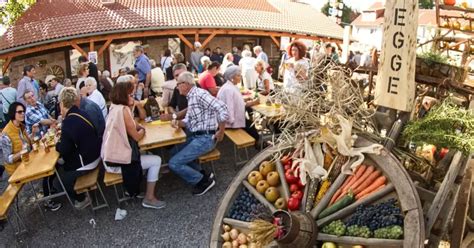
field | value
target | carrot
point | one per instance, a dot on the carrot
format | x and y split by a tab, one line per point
379	181
364	177
360	171
377	189
374	175
339	191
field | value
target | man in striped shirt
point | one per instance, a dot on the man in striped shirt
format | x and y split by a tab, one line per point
205	123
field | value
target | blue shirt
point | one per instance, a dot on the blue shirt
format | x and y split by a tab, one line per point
8	96
95	114
35	115
142	65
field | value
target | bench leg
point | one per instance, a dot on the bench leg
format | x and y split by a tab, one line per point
106	204
37	202
64	189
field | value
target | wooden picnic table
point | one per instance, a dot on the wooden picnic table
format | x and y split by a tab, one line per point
268	111
41	164
160	134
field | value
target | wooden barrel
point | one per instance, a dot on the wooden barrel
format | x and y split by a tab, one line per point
302	229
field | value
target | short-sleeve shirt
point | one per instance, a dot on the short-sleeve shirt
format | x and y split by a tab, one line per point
261	81
207	81
178	101
143	67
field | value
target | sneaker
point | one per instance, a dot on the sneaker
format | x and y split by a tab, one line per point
139	196
154	205
83	204
202	187
210	175
52	206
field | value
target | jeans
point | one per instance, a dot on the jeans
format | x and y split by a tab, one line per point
69	179
183	162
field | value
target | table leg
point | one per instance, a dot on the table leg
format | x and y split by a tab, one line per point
64	188
37	202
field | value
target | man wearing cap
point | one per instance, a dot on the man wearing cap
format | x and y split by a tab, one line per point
196	56
7	96
143	67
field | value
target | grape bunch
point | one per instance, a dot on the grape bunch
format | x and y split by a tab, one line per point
358	231
335	228
392	232
377	216
246	207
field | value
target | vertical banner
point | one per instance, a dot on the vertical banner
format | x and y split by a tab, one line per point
396	76
345	44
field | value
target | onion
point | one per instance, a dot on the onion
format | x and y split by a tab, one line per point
226	236
242	238
226	228
253	245
243	246
227	245
235	244
234	234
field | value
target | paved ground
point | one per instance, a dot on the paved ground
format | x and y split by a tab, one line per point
185	222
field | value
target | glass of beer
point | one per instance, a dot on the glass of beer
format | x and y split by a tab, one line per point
25	156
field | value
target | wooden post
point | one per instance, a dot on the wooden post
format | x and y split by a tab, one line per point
186	41
395	86
6	65
277	43
91	46
196	37
208	39
78	48
105	46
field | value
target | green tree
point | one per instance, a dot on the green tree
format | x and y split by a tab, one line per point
426	4
12	10
347	14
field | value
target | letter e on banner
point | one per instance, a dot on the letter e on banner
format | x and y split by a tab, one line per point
396	76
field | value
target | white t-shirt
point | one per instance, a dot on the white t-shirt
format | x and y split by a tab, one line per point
166	62
261	81
157	79
97	97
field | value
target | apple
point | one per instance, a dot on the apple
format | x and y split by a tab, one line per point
266	167
272	194
300	184
280	203
287	167
294	187
262	185
293	203
329	245
298	194
254	177
290	178
357	246
273	179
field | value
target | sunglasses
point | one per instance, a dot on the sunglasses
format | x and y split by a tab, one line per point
20	112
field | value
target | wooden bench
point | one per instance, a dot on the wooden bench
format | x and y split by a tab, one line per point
241	139
113	179
210	157
87	183
6	200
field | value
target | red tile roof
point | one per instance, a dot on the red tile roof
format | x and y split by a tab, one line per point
49	20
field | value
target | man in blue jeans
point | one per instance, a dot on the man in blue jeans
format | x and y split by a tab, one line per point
205	123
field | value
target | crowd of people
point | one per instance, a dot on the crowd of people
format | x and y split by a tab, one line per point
98	119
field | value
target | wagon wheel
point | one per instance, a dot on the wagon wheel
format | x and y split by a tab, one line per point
399	185
56	71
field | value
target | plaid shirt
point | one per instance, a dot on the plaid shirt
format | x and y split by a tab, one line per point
204	111
35	115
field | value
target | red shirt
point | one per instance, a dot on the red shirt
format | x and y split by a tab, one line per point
207	81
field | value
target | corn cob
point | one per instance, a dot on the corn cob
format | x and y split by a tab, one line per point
322	191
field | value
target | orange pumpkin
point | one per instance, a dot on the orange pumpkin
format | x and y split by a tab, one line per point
450	2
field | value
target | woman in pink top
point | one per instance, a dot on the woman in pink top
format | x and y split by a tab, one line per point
231	96
206	79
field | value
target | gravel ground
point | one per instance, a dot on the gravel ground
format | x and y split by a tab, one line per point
185	222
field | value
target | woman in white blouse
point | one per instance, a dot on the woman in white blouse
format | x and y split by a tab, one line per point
231	96
296	67
95	96
264	80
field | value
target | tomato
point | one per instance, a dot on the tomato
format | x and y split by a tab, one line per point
290	178
298	194
443	153
293	203
294	187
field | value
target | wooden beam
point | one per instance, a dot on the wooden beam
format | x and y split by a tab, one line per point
196	37
186	41
105	46
152	33
6	65
277	43
78	48
91	46
208	39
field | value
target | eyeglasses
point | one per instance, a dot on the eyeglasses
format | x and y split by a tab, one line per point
176	75
179	83
20	112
